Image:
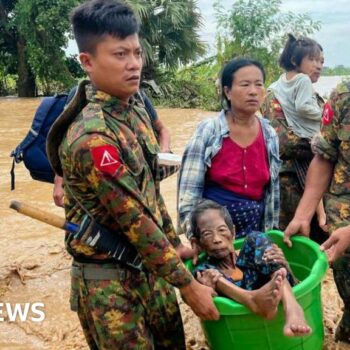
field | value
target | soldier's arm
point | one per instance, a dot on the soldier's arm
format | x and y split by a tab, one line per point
319	175
163	135
98	162
317	181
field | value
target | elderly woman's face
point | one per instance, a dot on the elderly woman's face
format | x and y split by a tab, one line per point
247	91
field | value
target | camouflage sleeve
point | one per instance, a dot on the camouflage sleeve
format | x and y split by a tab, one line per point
326	143
168	227
97	161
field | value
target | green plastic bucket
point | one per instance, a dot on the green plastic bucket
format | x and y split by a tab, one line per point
240	329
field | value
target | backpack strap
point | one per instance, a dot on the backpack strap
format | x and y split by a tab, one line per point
60	126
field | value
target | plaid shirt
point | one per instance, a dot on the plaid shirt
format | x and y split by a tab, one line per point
204	145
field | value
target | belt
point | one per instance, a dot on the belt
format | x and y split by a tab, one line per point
95	272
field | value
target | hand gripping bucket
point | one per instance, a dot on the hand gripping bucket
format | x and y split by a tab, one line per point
240	329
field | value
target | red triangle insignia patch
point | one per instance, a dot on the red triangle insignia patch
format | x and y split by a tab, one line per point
327	114
106	158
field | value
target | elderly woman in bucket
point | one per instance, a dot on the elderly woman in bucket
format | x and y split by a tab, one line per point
258	278
233	159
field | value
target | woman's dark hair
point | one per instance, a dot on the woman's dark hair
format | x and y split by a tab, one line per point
95	19
296	49
201	207
227	75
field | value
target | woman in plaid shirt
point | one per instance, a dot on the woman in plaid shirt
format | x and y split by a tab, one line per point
233	158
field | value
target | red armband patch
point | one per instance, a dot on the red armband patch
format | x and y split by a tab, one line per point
327	114
276	106
106	158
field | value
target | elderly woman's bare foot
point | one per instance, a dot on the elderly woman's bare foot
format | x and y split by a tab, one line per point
264	301
295	325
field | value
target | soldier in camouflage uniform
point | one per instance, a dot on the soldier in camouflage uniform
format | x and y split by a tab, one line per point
296	154
104	147
329	173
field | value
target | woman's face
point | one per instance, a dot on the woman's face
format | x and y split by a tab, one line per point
312	66
216	239
247	91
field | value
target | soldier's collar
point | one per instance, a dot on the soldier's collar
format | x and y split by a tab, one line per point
107	101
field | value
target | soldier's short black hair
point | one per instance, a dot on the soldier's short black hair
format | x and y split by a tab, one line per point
204	205
296	49
95	19
231	67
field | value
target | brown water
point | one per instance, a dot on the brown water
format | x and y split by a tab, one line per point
33	264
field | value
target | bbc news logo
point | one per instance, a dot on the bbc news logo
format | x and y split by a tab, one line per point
22	312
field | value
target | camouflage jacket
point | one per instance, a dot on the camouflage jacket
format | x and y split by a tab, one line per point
107	155
292	147
333	143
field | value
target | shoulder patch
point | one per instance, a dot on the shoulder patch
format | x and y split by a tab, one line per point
276	106
106	158
327	114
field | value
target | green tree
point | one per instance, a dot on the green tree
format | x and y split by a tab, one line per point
337	70
169	33
258	28
33	35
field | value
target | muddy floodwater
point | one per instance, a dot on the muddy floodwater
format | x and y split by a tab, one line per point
34	267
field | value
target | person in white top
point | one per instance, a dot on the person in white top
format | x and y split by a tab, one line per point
302	59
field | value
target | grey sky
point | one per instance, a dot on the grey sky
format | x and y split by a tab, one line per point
334	16
333	36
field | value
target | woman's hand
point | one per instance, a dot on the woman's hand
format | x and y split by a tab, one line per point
275	255
209	277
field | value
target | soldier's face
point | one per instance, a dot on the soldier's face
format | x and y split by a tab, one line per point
115	67
312	66
215	238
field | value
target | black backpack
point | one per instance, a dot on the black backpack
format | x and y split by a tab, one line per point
32	150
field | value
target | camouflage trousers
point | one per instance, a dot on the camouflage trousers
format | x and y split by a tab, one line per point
291	193
120	309
338	215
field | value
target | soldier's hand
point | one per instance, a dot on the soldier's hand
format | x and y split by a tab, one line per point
337	243
196	248
296	227
58	192
185	252
200	299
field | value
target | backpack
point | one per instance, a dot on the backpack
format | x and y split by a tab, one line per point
32	150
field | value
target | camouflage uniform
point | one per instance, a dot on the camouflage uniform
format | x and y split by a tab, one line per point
334	145
296	155
108	159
